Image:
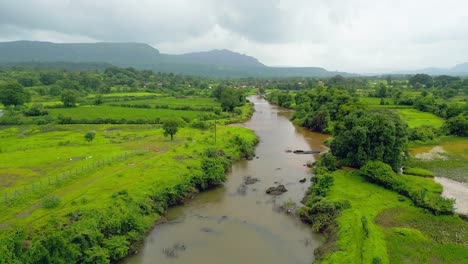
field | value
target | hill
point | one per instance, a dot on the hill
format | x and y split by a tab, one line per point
215	63
457	70
219	57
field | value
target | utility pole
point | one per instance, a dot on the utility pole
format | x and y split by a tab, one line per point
215	130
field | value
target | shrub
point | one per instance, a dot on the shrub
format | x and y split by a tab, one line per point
365	226
423	133
321	184
418	172
50	201
196	123
380	173
36	110
457	126
328	161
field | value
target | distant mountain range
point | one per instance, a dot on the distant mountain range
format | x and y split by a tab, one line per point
459	69
215	63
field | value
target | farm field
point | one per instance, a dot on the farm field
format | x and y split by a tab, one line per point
451	161
117	113
415	118
393	224
172	101
56	161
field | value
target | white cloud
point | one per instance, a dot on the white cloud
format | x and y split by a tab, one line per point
353	35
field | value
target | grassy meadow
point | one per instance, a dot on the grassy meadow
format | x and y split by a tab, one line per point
148	160
114	112
112	189
415	118
397	231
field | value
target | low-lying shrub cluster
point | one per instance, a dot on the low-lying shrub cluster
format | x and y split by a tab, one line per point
418	172
382	174
318	211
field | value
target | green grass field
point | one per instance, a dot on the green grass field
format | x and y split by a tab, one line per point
32	156
115	112
415	118
411	236
129	94
172	101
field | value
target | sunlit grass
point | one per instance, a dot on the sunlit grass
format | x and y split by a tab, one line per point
415	118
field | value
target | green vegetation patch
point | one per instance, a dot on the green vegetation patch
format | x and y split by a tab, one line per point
415	118
417	237
117	113
104	194
454	163
418	172
444	236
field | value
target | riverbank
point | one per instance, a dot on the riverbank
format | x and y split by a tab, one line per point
239	222
366	223
381	226
95	217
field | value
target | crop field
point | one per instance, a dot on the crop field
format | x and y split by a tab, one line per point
401	237
453	165
374	102
129	94
172	102
57	160
115	112
415	118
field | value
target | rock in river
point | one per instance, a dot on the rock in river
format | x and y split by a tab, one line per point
250	180
299	151
276	190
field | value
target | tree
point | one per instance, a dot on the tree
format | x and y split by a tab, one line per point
229	99
423	79
457	125
382	91
13	93
69	98
48	78
170	127
365	136
98	99
27	81
89	136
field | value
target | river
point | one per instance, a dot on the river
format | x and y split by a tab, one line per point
238	223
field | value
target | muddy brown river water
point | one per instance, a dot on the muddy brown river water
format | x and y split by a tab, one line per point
242	224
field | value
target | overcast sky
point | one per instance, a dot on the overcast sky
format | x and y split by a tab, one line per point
345	35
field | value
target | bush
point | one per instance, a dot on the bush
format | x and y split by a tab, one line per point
328	161
380	173
365	226
50	202
423	133
196	123
321	185
418	172
246	148
36	110
457	126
